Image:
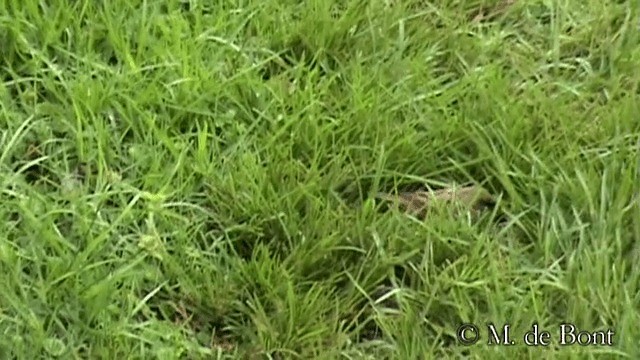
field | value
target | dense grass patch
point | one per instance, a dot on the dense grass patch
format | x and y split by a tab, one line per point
181	179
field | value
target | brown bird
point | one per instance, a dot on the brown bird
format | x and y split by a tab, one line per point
419	203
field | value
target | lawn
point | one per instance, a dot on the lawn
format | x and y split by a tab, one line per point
197	180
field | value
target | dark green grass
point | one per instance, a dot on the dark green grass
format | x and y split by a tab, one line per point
190	180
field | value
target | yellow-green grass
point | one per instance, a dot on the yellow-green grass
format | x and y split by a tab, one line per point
195	180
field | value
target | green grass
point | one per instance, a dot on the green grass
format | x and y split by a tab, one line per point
194	181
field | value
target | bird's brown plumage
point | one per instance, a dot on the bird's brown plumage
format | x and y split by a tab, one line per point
419	203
